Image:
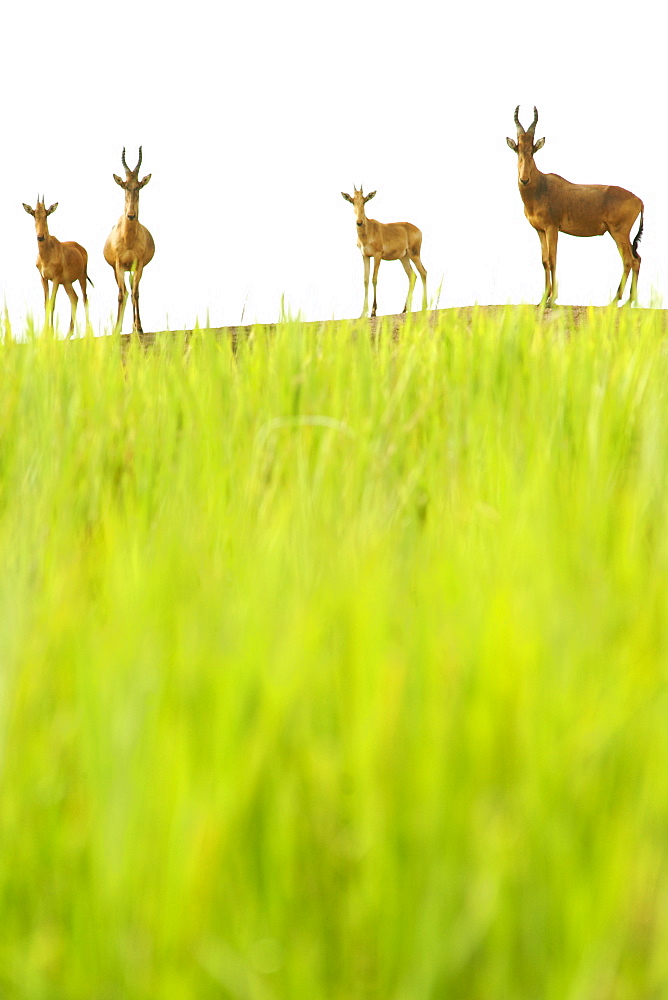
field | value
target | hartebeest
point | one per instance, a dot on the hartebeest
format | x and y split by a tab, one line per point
129	246
553	205
60	263
386	241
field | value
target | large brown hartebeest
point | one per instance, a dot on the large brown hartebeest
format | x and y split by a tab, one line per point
553	205
386	241
129	246
60	263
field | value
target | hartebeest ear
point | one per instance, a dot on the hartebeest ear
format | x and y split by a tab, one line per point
347	197
368	197
52	209
29	210
538	145
121	183
145	181
512	144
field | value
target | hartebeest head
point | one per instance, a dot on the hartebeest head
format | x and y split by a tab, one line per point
358	201
132	186
525	147
40	214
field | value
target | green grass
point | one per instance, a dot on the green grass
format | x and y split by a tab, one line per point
336	670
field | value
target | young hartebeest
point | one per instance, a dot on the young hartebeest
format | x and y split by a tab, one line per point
553	205
386	241
60	263
129	246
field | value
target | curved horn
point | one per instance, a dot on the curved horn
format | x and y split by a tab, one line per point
123	160
136	170
532	127
518	125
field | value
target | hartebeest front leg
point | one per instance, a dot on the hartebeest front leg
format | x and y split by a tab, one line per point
135	276
374	280
367	268
51	303
548	248
122	296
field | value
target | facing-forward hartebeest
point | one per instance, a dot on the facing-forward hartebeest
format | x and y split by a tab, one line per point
60	263
553	205
386	241
129	246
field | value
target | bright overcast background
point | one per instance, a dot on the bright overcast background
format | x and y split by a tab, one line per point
255	115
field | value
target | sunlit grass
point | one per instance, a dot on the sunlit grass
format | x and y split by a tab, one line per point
336	667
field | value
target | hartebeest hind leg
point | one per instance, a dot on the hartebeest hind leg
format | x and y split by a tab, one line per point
72	295
412	278
415	257
630	262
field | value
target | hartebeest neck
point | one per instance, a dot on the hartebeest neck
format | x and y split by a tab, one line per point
535	187
47	247
129	227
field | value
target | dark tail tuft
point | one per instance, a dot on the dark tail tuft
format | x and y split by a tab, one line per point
88	278
634	245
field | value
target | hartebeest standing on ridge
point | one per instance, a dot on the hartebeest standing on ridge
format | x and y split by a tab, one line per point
60	263
129	246
386	241
553	205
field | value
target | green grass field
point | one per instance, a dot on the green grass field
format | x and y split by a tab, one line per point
336	669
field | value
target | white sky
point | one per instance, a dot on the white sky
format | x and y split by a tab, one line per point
254	116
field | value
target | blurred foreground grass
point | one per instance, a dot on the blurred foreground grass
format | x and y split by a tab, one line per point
337	669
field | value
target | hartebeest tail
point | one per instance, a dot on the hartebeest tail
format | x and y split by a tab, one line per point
554	205
60	263
129	246
386	241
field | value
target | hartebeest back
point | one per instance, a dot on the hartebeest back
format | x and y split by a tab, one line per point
129	246
386	241
60	263
553	205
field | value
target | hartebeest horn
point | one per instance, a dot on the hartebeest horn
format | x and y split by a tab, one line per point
127	169
532	128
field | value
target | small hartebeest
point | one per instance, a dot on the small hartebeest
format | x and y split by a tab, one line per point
386	241
61	263
553	205
129	246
